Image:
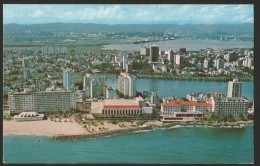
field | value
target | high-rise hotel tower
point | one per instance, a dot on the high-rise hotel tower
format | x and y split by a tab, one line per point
127	85
67	79
234	88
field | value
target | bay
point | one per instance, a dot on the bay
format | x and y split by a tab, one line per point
190	45
189	145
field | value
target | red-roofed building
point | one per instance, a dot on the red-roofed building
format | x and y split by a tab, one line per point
202	107
120	107
170	108
173	111
187	105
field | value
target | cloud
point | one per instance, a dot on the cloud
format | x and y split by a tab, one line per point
37	13
112	14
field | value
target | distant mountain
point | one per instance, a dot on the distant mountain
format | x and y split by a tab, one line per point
229	29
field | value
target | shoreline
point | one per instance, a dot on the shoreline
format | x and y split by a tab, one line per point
185	78
63	136
196	78
125	131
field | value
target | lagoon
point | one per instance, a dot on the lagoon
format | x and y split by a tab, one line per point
181	88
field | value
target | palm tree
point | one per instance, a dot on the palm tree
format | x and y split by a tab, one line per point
241	116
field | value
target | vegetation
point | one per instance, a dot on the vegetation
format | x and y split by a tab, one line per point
216	118
142	67
7	117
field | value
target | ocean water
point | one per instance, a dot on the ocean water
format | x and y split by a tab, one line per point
178	145
181	88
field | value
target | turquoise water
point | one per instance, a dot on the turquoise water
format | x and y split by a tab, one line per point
176	145
181	88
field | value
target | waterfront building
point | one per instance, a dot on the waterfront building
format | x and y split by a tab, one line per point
199	97
248	62
93	84
231	56
86	80
67	79
125	60
154	54
129	68
127	84
162	52
206	63
234	88
154	99
96	89
183	110
132	107
41	101
219	63
118	58
230	105
26	73
184	106
170	56
145	51
182	50
177	59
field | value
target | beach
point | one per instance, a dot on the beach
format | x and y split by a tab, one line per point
51	128
65	129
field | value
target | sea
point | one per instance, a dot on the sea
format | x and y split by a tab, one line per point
174	145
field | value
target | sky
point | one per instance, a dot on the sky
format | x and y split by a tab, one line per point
128	14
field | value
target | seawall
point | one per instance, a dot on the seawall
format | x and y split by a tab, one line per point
95	135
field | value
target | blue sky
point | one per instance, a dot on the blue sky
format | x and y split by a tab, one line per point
128	14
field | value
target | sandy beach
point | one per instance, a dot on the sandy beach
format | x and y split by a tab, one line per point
42	128
52	128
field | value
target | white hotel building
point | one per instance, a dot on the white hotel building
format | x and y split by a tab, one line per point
230	105
127	85
41	101
234	88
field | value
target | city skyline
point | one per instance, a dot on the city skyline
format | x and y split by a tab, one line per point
128	14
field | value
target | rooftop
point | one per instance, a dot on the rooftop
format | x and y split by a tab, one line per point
180	103
171	104
203	104
127	102
122	106
187	102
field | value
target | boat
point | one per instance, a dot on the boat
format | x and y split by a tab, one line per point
29	116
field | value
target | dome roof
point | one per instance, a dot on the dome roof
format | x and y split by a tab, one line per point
28	114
